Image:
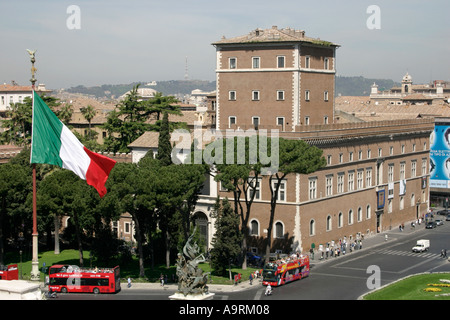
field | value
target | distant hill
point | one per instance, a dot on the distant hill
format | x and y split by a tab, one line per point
172	87
345	86
360	86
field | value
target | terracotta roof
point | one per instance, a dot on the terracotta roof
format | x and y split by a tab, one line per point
9	88
150	140
366	110
274	35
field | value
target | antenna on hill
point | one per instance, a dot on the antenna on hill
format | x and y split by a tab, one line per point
186	75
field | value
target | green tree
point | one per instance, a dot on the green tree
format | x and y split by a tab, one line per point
89	113
227	239
15	186
295	157
18	120
131	190
160	104
127	123
164	147
241	176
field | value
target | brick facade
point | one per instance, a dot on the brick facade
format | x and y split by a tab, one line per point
364	160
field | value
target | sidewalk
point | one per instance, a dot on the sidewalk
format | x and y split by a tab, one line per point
213	288
373	241
368	242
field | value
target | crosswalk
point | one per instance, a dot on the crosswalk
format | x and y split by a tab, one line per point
425	254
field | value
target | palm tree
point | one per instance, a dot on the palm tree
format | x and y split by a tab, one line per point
89	113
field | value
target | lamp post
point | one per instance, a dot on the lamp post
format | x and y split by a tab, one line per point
35	275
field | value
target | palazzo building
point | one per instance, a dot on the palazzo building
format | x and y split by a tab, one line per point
377	172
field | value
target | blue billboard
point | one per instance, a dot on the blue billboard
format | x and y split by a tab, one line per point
440	156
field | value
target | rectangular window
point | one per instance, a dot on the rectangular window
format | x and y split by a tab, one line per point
391	172
424	166
340	182
280	95
231	121
307	62
280	61
368	177
256	62
255	95
280	122
402	170
281	196
312	188
413	168
306	120
232	62
329	185
325	96
232	95
326	63
360	179
307	95
255	121
254	188
351	180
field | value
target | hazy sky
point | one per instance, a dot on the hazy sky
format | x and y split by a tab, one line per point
118	41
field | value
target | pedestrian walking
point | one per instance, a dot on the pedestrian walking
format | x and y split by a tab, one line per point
250	278
129	282
161	279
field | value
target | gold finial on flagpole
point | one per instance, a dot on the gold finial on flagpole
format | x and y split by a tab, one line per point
33	69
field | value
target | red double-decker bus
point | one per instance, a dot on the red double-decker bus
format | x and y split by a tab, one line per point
281	271
69	278
10	272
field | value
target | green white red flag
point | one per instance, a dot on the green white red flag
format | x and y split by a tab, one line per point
53	143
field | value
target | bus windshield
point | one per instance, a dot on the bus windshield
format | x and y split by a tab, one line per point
269	271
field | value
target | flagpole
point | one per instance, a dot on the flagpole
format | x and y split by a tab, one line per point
35	275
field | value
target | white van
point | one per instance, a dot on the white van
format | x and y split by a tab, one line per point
421	246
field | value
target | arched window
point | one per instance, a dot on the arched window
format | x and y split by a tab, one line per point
350	216
254	228
312	228
329	223
201	221
340	220
359	214
279	230
368	212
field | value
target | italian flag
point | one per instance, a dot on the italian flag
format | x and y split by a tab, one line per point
53	143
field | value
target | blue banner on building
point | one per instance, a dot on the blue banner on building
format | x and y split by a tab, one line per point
440	156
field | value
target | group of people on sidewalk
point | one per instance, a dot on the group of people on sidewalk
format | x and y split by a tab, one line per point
335	249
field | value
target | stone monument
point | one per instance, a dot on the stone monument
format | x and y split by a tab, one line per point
192	281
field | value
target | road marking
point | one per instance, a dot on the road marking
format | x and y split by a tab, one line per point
258	294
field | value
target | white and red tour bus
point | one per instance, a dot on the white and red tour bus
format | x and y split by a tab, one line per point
281	271
10	272
70	278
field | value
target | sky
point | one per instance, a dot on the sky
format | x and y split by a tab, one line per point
123	41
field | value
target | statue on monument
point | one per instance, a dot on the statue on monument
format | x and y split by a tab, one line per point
191	279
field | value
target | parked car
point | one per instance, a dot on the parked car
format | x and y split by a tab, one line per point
443	212
431	225
448	218
439	222
253	259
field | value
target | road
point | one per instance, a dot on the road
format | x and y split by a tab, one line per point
343	278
